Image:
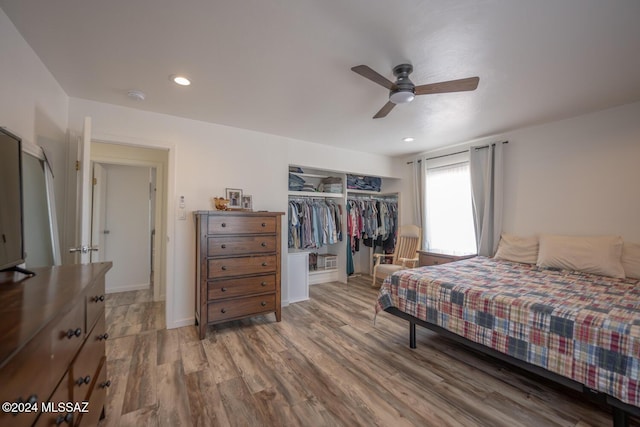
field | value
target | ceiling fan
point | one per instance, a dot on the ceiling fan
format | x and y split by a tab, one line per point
403	90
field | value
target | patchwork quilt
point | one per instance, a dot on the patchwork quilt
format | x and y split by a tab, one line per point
581	326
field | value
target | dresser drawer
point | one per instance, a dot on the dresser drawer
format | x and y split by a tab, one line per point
85	367
61	394
97	398
238	245
229	224
26	378
95	302
226	267
220	289
434	258
66	338
426	260
240	307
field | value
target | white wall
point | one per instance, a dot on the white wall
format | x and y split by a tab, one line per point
575	176
33	105
208	159
320	156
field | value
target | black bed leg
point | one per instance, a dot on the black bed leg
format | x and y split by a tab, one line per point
620	418
412	335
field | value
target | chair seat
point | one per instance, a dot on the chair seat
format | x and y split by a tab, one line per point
384	270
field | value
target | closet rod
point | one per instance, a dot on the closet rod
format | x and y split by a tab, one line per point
480	147
307	198
371	197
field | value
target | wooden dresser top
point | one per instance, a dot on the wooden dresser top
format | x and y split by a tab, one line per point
28	304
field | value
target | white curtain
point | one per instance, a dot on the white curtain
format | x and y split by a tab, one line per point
419	176
486	169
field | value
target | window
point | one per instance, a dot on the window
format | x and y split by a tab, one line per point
449	215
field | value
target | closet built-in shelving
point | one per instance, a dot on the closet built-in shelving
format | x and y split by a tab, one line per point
316	179
332	259
329	265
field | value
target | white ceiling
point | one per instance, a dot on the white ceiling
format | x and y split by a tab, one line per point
283	66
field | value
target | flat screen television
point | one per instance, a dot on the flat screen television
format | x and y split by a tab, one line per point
11	218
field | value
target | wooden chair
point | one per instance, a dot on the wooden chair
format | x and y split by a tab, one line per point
405	254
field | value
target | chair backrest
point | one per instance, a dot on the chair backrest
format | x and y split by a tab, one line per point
408	243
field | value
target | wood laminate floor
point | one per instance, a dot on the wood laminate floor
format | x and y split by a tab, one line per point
325	364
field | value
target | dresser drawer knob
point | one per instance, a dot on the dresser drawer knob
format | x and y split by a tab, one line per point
435	262
74	333
263	284
263	303
264	224
224	310
264	264
85	380
224	268
263	244
64	419
105	384
223	246
103	336
31	400
223	289
224	224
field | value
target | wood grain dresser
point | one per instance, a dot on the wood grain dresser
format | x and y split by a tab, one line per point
426	258
238	266
52	346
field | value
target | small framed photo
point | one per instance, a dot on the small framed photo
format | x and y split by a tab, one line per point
247	202
235	197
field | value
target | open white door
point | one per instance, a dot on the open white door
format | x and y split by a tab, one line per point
98	215
83	246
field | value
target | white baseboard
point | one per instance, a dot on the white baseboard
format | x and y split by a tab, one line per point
182	322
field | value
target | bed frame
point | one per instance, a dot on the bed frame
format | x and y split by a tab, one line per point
621	410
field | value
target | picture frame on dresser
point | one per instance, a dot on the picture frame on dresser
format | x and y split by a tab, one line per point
247	202
234	195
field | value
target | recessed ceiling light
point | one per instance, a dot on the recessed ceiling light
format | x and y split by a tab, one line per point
408	139
180	80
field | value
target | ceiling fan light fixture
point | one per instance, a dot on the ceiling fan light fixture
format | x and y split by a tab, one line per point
401	96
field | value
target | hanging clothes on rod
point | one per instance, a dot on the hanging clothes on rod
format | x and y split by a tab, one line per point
372	220
314	223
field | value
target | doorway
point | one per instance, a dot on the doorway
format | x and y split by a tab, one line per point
129	199
123	213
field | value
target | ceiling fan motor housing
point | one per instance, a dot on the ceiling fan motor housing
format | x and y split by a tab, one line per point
404	89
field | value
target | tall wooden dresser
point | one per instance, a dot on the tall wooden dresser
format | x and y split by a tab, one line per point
52	346
238	266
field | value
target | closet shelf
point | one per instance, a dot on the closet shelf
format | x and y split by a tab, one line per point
308	175
372	193
314	194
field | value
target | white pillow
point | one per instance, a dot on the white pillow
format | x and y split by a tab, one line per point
589	254
631	259
518	249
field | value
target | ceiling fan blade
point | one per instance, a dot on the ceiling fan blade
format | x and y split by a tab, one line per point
461	85
368	73
384	110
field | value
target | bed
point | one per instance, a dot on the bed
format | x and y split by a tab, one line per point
579	329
